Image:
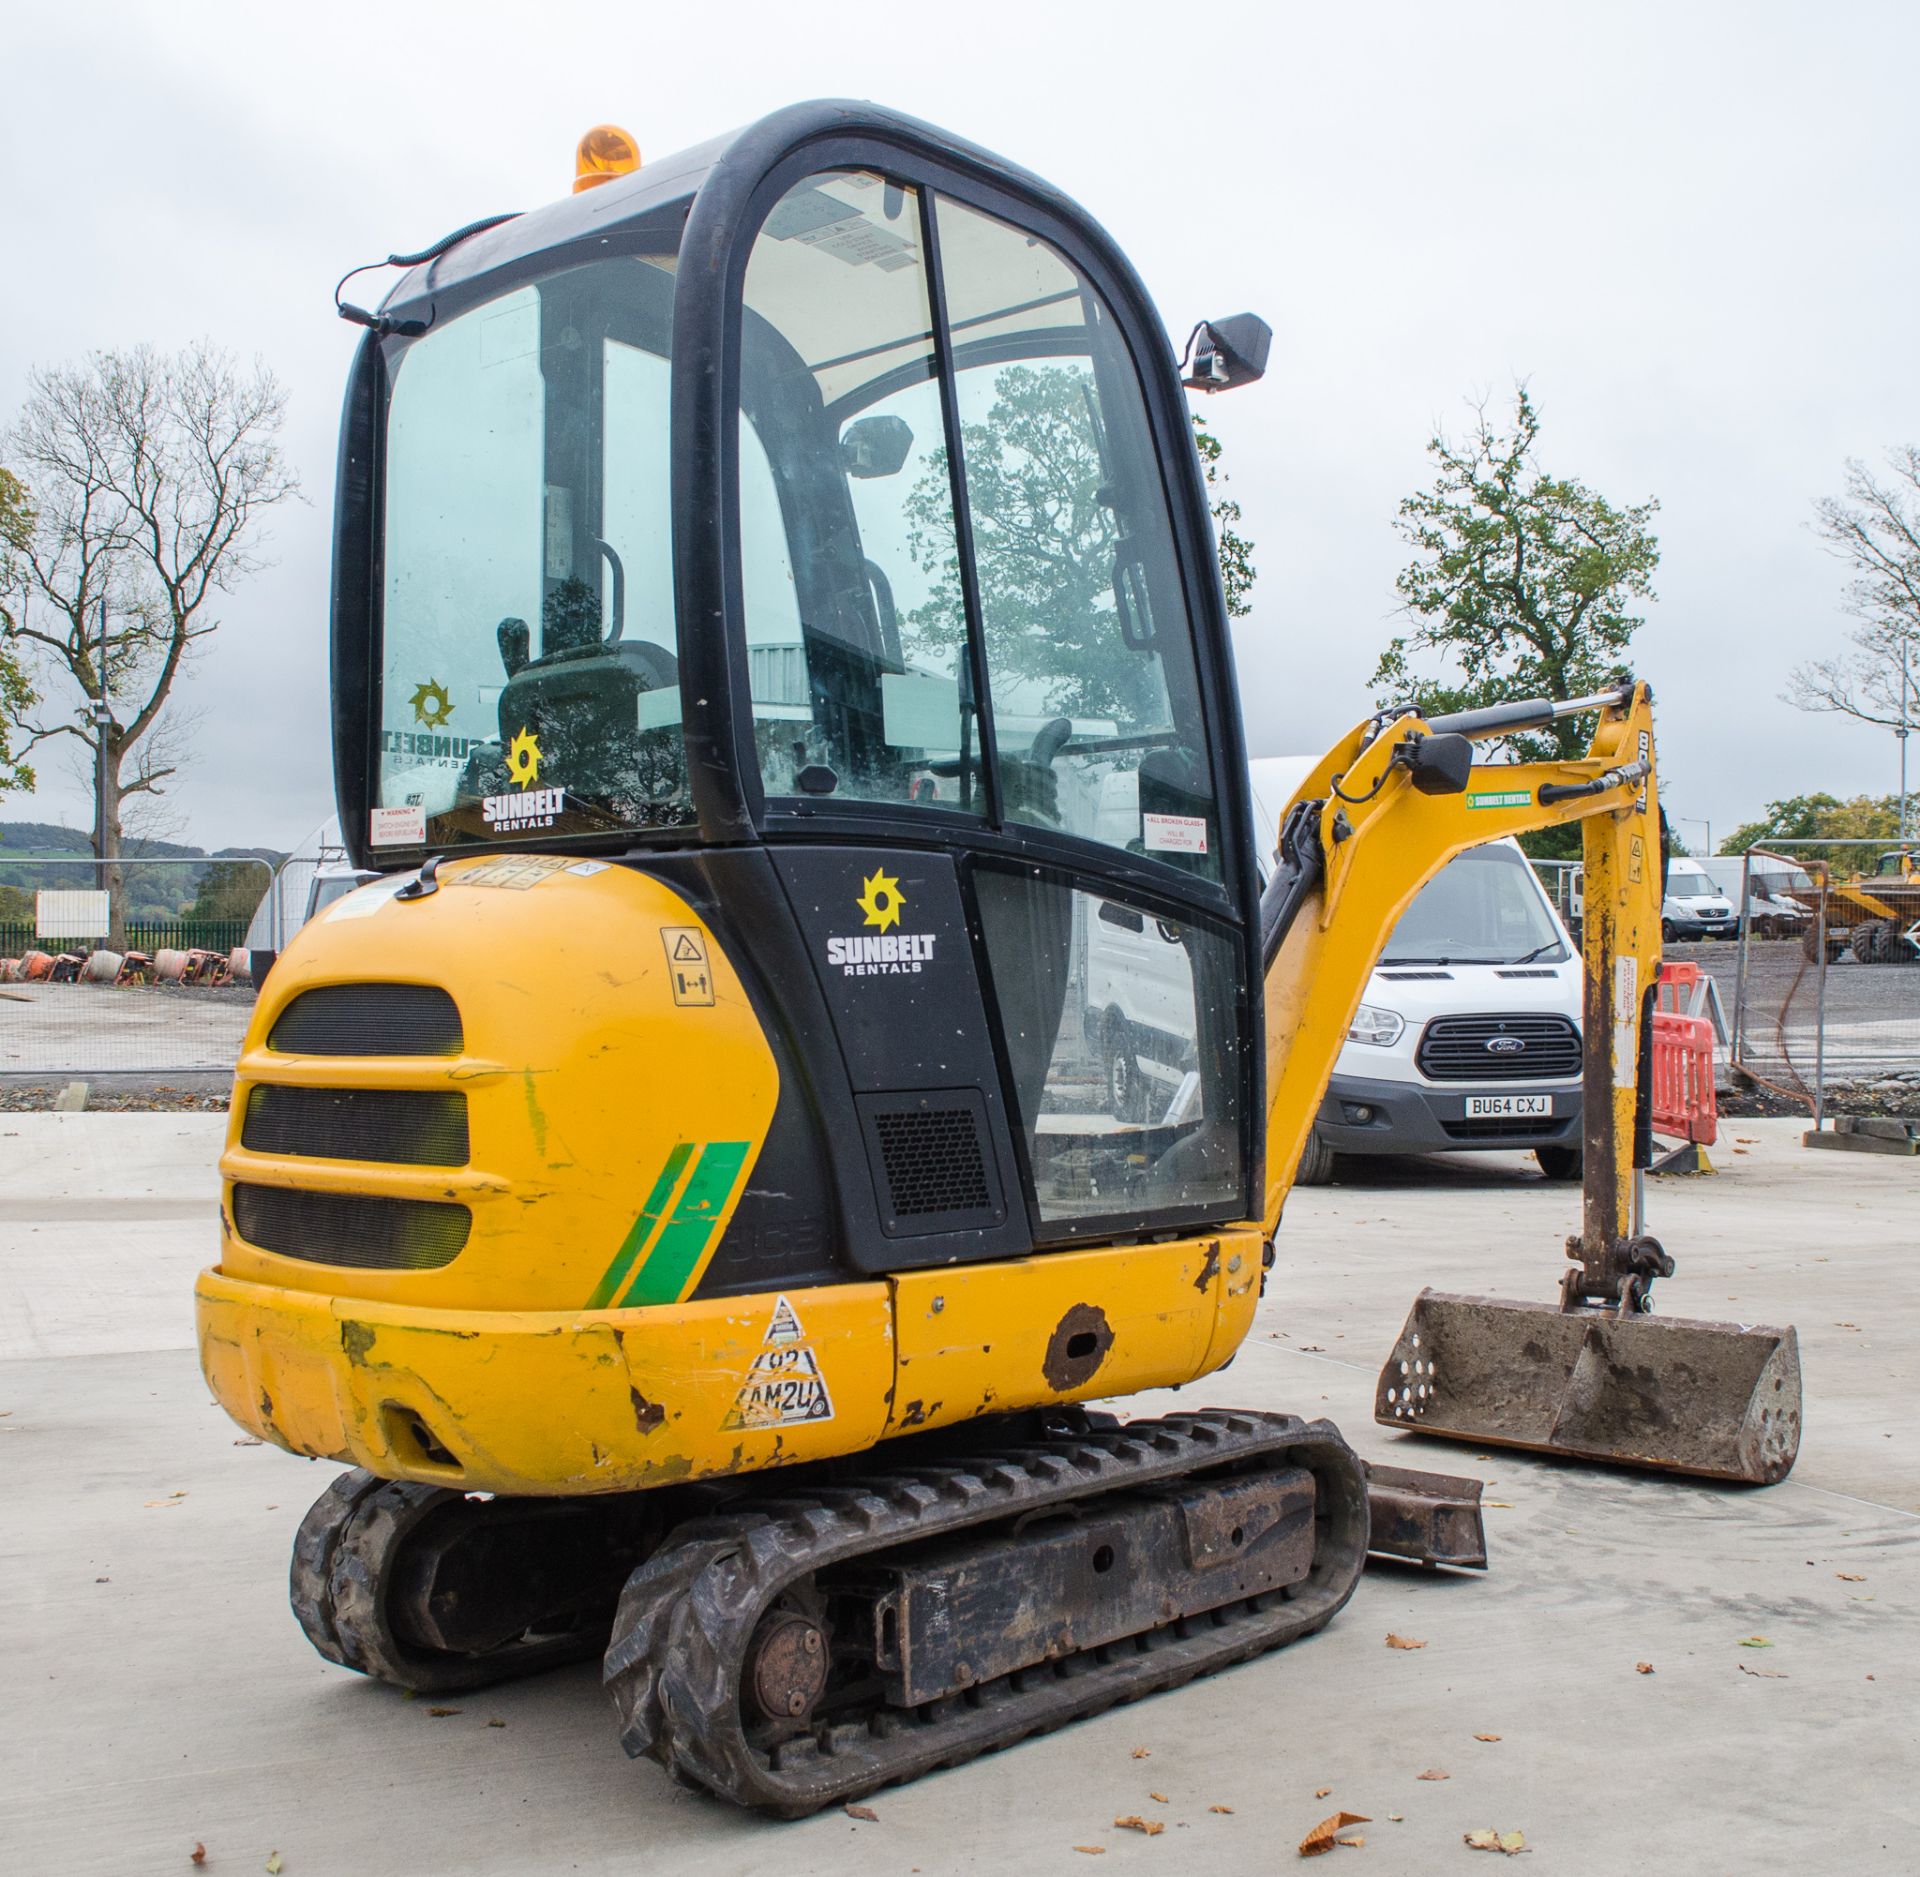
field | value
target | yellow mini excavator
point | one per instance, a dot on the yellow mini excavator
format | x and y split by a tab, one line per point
779	669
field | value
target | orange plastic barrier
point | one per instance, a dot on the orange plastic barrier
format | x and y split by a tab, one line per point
1684	1107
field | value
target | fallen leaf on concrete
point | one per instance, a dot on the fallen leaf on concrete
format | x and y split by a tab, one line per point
1486	1736
103	1580
1320	1792
1643	1668
1507	1843
1846	1326
248	1441
1396	1818
198	1855
1134	1822
1091	1850
1313	1349
273	1864
1751	1140
1142	1753
1228	1809
1739	1150
1403	1642
1160	1796
862	1811
441	1714
1765	1674
1755	1642
1355	1843
1433	1772
1850	1577
1505	1505
1323	1837
496	1723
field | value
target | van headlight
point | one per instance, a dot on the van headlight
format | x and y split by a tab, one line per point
1371	1024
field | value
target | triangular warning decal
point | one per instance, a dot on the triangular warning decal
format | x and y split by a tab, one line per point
785	1327
687	947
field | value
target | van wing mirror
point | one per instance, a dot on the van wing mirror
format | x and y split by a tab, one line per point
1226	353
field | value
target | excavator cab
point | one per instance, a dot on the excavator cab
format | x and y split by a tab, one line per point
819	518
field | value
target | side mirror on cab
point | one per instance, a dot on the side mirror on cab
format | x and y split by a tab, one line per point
1226	353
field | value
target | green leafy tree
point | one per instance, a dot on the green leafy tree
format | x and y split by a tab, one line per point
1236	551
1521	586
1045	546
16	694
229	889
1823	817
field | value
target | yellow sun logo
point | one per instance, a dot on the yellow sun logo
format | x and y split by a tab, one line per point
431	704
523	759
881	900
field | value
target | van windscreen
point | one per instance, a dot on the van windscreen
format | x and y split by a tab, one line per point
1482	908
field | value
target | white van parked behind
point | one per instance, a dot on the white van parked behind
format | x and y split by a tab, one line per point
1468	1035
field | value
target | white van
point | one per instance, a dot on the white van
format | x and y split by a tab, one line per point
1695	908
1468	1035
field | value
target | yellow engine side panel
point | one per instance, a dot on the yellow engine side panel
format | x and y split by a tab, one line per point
615	1099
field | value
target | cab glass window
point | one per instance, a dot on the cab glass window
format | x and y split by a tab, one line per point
1122	1033
857	651
1089	649
528	675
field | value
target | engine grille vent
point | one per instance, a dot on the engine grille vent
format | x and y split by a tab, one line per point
369	1020
356	1229
1408	977
932	1161
404	1127
1532	971
1499	1049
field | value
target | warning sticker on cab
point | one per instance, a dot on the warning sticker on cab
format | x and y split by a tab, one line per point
784	1386
1173	834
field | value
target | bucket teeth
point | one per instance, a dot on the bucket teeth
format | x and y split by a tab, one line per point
1721	1400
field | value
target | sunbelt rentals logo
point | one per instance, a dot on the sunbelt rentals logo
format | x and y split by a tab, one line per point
883	951
528	807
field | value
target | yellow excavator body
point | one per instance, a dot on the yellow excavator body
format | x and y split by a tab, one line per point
816	1018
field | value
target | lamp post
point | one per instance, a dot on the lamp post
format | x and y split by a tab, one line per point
1699	821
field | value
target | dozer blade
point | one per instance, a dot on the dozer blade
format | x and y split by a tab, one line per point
1425	1518
1721	1400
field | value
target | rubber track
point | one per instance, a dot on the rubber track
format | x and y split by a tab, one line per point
344	1555
688	1614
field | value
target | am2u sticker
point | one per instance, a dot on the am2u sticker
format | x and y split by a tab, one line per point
784	1386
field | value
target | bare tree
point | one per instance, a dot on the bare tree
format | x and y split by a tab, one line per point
1875	529
149	473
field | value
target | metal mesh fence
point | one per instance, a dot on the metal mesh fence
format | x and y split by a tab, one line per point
150	979
1827	995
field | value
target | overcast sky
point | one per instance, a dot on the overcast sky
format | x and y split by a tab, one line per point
1689	227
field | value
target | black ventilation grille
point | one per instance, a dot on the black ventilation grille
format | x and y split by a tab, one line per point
1534	971
1499	1049
403	1127
1505	1127
1409	977
357	1229
932	1161
369	1020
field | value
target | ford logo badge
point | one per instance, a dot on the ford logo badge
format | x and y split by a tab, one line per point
1506	1045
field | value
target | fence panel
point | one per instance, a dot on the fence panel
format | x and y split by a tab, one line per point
173	1000
1827	1006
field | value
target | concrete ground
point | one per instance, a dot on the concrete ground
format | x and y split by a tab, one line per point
158	1694
67	1030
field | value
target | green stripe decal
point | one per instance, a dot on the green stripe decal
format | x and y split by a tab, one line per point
676	1254
616	1273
